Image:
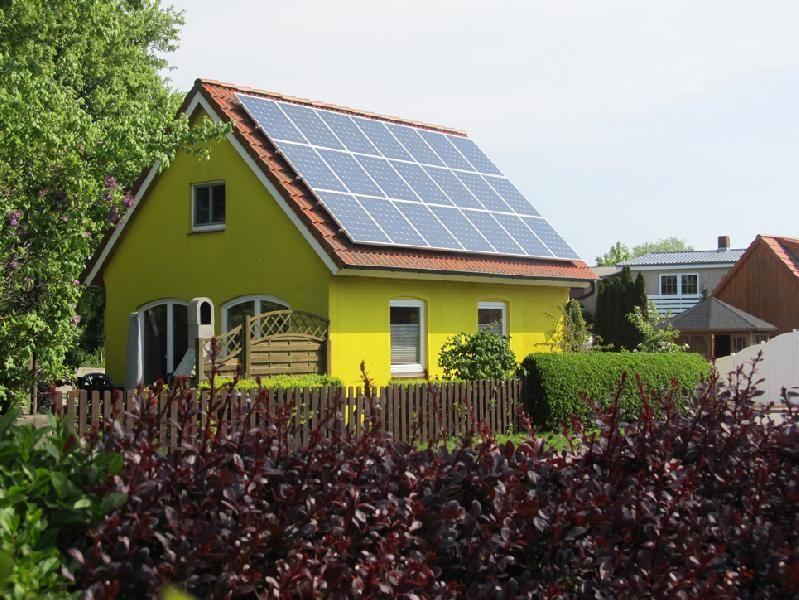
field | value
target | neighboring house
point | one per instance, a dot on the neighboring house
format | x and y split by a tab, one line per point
765	282
395	235
676	281
715	329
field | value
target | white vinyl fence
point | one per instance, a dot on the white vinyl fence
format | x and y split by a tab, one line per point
779	366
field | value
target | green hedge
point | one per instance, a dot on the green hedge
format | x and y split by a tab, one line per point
558	384
277	382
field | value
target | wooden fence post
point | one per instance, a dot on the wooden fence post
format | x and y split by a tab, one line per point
246	341
200	359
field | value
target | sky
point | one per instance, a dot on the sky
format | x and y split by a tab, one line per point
618	120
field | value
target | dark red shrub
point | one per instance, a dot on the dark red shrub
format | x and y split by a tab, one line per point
694	503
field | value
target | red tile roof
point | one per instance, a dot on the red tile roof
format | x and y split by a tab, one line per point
786	249
343	252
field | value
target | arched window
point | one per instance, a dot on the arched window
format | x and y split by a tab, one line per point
164	338
235	311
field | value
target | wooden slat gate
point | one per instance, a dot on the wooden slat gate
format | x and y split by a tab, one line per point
272	343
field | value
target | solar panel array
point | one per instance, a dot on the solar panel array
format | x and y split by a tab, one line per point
396	185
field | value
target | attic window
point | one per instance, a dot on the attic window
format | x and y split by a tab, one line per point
208	206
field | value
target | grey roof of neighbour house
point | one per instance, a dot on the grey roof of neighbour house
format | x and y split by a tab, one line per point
711	314
603	272
692	257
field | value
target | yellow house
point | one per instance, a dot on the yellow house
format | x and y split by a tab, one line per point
397	233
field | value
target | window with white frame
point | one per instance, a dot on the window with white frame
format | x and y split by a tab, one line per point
208	206
689	284
234	312
679	284
668	285
407	336
491	316
164	338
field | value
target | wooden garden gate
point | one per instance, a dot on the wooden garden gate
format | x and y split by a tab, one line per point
278	342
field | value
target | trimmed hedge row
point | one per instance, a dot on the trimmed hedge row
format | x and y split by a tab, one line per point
561	385
276	382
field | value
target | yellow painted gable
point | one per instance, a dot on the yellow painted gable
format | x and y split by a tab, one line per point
260	251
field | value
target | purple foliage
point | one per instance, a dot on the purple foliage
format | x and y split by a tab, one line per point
698	502
111	182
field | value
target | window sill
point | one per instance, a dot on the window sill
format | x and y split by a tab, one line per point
409	371
207	228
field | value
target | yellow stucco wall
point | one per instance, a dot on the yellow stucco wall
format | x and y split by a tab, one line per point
260	252
359	313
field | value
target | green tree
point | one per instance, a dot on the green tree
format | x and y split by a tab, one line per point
620	253
669	244
657	333
84	108
482	355
617	297
571	334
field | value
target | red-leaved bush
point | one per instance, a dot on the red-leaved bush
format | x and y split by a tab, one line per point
698	502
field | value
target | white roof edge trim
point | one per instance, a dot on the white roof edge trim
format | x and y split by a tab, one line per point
198	100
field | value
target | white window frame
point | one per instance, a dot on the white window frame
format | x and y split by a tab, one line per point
502	306
410	368
257	298
195	227
679	277
170	334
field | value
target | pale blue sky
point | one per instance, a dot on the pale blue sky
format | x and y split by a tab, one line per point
619	120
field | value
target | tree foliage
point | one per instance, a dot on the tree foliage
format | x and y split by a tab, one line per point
481	355
657	333
619	253
571	333
617	297
84	109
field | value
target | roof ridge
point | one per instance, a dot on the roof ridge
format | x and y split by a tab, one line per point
329	106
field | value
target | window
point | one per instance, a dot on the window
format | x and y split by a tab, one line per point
761	337
407	336
208	207
668	285
237	310
164	338
491	317
738	343
690	284
685	284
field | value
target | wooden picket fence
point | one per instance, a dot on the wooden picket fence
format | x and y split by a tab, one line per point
411	413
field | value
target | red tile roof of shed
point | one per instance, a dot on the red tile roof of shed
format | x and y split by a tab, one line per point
345	253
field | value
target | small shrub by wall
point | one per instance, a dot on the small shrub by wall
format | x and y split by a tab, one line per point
562	385
276	382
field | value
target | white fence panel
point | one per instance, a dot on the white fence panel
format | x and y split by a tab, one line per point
779	365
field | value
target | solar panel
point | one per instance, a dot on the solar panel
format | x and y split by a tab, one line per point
311	125
387	178
350	172
420	182
353	218
415	145
426	224
391	184
392	222
310	166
